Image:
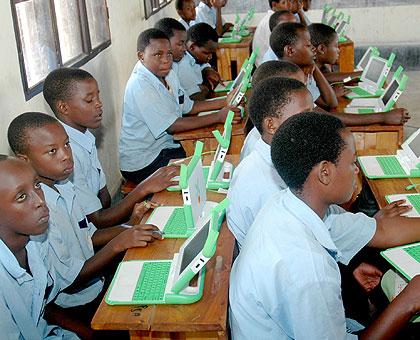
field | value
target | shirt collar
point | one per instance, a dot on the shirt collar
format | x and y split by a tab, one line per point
190	58
140	69
264	150
313	223
65	190
86	139
204	6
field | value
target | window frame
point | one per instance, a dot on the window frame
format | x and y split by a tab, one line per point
88	52
154	10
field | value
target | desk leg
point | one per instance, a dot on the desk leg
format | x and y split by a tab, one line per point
144	335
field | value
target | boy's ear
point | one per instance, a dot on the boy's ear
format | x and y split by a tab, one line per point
321	49
324	172
23	157
191	45
288	50
61	107
271	125
140	55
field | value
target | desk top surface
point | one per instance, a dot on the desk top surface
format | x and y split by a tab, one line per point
208	314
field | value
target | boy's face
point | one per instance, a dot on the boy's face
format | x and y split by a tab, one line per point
332	51
203	54
84	108
343	182
306	5
282	5
302	53
23	210
157	57
49	153
188	11
178	44
295	6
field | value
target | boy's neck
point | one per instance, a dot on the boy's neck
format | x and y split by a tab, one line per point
319	63
16	244
312	198
48	182
73	125
267	138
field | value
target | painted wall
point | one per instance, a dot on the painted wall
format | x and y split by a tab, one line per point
111	68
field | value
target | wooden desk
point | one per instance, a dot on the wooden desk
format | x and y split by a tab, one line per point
346	59
230	57
206	319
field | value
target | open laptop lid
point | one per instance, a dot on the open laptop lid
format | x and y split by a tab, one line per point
326	12
373	72
198	248
195	195
371	51
411	147
240	75
393	91
241	89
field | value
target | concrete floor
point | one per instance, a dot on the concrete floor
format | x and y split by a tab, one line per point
410	100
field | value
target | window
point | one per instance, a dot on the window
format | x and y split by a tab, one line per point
153	6
55	33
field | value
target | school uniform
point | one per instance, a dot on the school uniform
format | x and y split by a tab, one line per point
88	175
205	14
184	23
285	283
261	37
251	138
313	88
70	233
149	110
23	296
189	73
269	55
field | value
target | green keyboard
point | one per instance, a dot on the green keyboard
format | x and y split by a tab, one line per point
390	166
414	201
152	282
176	224
360	92
414	252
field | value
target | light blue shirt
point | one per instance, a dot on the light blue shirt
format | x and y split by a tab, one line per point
88	175
23	296
149	110
184	23
249	142
205	14
70	236
261	37
189	73
269	55
285	283
313	88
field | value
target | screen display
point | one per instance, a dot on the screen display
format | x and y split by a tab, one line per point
239	78
415	145
365	59
340	28
194	246
390	91
375	70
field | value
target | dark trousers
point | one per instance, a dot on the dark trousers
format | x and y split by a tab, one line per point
161	160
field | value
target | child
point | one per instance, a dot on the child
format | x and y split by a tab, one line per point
262	33
285	283
273	68
297	8
177	35
186	11
291	42
42	141
73	96
154	109
27	283
210	12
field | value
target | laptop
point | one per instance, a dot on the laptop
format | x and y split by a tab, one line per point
405	164
382	104
406	259
370	52
372	79
327	12
181	221
411	199
341	27
167	281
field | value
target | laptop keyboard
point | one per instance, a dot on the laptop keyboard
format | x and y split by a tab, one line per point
358	92
414	201
390	166
152	281
176	224
414	252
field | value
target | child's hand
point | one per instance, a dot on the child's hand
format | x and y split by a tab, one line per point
396	116
159	180
224	112
367	276
212	77
138	236
393	209
218	3
140	209
340	90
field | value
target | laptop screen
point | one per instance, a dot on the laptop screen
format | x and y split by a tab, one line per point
365	59
375	70
239	78
331	21
197	188
195	245
340	28
415	145
390	91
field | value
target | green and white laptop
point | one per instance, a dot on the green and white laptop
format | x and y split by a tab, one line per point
370	52
327	12
385	102
167	281
181	221
372	79
406	259
341	27
406	163
411	199
242	24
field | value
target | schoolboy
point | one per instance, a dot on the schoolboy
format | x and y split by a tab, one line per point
42	141
73	96
186	11
262	33
28	281
291	42
210	12
285	284
154	106
272	68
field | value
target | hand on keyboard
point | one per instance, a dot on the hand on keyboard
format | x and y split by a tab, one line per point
138	236
393	209
140	209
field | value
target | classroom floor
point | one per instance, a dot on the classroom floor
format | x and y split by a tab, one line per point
410	100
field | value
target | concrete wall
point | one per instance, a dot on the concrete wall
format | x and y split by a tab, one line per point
111	68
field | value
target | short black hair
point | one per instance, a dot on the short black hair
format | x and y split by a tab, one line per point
169	26
271	1
274	68
302	142
59	84
144	38
179	4
275	18
201	33
269	98
283	35
19	127
321	34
